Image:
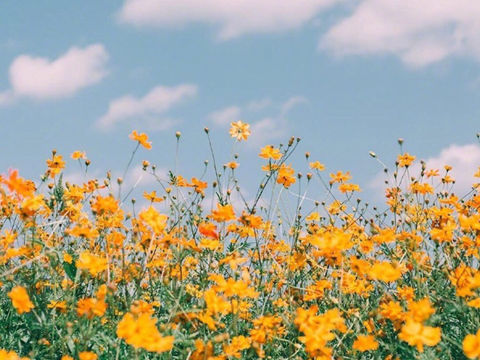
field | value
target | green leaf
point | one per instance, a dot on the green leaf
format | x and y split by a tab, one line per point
70	270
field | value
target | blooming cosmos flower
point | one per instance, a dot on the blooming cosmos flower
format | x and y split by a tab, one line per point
471	345
240	130
20	299
141	138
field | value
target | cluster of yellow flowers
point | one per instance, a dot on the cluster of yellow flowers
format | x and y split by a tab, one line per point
84	276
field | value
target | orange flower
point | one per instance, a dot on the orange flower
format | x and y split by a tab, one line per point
365	343
91	307
20	299
152	196
208	229
142	332
340	177
199	186
286	176
152	218
416	334
223	213
240	130
317	165
471	345
141	138
384	271
78	155
10	355
87	355
94	264
232	165
55	165
270	152
405	160
238	344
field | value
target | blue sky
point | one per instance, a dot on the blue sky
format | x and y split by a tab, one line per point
346	77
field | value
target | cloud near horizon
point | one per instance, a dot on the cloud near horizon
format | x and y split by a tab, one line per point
41	78
151	107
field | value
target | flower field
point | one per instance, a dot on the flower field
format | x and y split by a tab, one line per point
87	273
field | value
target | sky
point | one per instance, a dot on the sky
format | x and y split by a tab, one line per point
347	77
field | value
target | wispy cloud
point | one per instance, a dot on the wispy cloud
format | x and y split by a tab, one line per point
41	78
226	115
234	18
152	107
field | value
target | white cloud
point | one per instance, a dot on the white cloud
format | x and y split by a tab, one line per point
234	17
258	105
291	103
419	32
464	159
149	107
225	116
42	78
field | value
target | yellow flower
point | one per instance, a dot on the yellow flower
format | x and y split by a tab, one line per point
152	197
87	355
365	343
78	155
286	176
384	271
20	299
67	258
55	165
91	307
238	344
223	213
420	310
232	165
416	334
270	152
471	345
94	264
405	160
141	138
142	332
157	221
239	130
60	305
317	165
10	355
